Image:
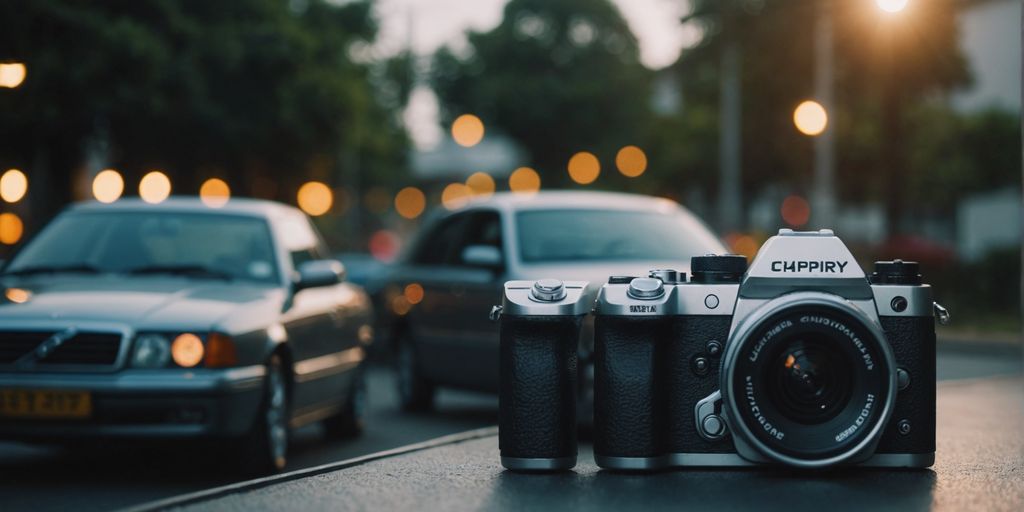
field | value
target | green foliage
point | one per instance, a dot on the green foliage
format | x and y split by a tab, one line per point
557	76
253	90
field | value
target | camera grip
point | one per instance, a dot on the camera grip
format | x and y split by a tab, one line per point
628	408
537	420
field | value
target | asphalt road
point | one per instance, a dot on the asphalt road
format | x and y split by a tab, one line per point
979	457
109	477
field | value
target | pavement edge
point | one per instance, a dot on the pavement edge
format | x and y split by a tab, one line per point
249	485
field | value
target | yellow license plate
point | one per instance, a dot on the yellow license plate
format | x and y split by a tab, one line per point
20	403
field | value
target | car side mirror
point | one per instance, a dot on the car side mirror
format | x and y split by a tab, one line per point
485	256
317	273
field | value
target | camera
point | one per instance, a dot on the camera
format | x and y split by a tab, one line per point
539	330
801	360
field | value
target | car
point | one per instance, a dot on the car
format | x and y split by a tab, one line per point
181	321
441	289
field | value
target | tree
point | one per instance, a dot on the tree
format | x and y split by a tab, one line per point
885	68
258	91
558	77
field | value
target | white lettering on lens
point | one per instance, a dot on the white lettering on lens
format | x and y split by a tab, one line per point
774	331
770	429
864	413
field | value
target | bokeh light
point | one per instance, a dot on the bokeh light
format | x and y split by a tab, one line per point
480	184
795	211
414	293
584	168
215	192
892	5
455	195
468	130
400	305
17	295
187	350
740	243
12	74
631	161
524	181
410	202
155	187
107	186
315	198
11	228
810	118
13	185
384	245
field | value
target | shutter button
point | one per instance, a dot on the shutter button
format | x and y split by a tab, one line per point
548	290
646	288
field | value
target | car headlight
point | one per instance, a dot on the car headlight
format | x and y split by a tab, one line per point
151	351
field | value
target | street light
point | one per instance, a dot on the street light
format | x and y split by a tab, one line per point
810	118
892	6
12	74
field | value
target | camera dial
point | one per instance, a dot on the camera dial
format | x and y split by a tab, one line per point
548	290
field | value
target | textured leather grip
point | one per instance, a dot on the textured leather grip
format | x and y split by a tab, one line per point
537	398
913	344
629	408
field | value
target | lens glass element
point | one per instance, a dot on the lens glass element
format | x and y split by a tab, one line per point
812	381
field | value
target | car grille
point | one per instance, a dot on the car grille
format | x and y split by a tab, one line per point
84	349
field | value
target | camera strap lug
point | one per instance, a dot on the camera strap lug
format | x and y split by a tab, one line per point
495	313
941	313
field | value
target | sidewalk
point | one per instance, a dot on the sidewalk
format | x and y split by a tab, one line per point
979	466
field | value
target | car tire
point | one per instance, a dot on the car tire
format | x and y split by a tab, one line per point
264	449
415	393
350	421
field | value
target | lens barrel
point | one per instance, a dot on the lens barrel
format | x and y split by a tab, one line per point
809	380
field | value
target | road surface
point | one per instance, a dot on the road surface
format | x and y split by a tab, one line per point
105	478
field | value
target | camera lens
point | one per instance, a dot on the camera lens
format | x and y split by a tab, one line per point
809	380
812	382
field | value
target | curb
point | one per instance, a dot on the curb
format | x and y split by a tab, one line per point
249	485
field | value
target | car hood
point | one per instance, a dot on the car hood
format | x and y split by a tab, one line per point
140	302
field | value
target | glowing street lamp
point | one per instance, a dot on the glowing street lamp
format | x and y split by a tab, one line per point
810	118
892	6
12	74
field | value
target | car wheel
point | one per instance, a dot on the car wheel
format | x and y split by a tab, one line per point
264	449
415	393
350	421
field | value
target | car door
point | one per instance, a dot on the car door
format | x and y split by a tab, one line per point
457	343
315	323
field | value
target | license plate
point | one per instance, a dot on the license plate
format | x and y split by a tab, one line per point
20	403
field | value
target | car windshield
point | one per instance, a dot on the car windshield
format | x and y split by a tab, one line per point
573	235
152	243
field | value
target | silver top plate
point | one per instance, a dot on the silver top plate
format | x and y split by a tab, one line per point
521	299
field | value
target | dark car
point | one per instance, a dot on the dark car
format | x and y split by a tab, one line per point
179	320
442	288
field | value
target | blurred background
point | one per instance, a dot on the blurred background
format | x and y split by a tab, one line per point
894	121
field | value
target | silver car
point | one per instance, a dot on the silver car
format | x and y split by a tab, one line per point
181	321
437	300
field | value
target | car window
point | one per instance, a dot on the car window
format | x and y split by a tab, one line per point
299	238
128	241
577	235
438	246
482	228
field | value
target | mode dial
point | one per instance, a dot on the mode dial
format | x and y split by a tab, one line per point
726	268
896	272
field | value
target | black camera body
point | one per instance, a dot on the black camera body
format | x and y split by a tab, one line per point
540	324
801	360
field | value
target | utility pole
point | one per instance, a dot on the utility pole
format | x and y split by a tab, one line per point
823	200
730	211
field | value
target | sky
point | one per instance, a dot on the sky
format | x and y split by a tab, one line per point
426	25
